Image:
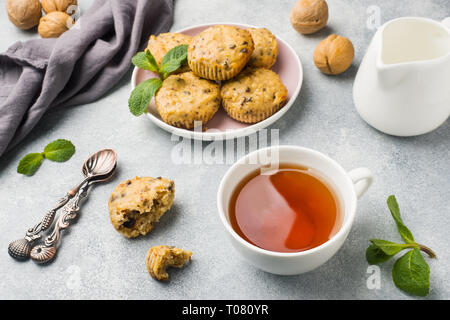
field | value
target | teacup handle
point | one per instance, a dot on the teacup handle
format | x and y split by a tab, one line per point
362	179
446	22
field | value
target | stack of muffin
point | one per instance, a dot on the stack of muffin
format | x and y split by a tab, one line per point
227	66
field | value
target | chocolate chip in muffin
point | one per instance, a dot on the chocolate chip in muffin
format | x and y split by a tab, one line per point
246	100
129	224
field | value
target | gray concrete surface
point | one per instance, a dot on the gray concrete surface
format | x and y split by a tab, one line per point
96	262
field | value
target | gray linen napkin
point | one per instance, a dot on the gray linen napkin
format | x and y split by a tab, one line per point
78	67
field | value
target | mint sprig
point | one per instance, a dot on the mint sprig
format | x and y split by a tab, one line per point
59	150
411	272
143	93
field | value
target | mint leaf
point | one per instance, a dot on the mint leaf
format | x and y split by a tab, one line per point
176	55
402	229
59	150
169	67
375	255
141	95
145	60
30	163
411	273
173	60
388	247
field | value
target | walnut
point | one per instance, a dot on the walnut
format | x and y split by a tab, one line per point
53	24
309	16
57	5
159	258
24	14
334	55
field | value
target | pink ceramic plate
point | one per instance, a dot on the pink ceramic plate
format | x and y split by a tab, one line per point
221	126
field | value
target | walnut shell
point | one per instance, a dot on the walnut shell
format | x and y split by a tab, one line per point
309	16
53	24
57	5
24	14
334	54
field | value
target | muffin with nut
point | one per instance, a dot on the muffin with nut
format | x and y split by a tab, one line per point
186	100
164	42
220	52
254	95
266	48
137	204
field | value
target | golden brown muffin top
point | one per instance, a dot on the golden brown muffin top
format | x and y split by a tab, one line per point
221	45
185	94
256	89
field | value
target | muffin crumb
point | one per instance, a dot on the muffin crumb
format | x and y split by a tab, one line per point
159	258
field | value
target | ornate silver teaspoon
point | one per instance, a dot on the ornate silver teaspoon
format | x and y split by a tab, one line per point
98	167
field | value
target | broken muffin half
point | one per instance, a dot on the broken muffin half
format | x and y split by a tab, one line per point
136	204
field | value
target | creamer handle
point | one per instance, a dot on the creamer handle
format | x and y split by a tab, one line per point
446	22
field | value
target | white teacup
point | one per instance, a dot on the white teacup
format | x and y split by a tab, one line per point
349	186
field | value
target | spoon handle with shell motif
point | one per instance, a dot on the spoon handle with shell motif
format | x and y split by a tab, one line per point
46	252
20	249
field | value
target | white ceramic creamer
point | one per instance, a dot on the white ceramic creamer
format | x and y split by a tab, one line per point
402	87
